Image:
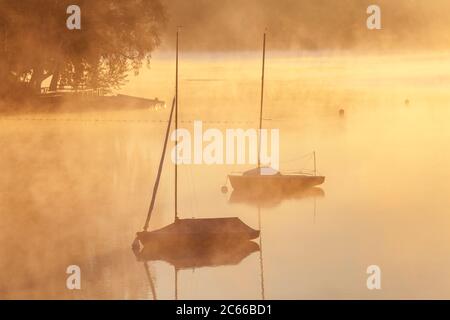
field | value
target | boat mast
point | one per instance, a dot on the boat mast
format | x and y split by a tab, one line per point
262	101
315	170
176	129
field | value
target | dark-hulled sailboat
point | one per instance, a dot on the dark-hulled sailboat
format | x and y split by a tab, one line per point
265	179
196	234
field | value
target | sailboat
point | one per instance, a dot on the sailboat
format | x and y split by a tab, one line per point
265	179
191	234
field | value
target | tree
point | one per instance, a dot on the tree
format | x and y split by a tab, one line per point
115	37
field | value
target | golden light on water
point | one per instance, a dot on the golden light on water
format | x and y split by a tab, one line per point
363	180
75	187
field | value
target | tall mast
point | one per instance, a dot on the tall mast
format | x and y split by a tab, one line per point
262	100
176	129
315	170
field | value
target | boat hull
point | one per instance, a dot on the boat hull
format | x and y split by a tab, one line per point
199	233
264	183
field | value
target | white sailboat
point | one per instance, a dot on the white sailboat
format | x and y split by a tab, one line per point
265	179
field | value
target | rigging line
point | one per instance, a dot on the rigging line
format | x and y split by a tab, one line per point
306	155
192	184
161	162
300	171
195	200
150	280
261	264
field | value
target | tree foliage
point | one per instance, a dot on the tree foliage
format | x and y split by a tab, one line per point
116	36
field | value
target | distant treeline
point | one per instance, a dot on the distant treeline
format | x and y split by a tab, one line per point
117	36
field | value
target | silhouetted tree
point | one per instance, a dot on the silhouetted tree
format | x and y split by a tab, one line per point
116	36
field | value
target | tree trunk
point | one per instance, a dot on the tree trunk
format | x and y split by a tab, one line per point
36	79
77	74
55	79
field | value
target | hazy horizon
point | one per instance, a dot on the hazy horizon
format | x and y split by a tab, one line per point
308	25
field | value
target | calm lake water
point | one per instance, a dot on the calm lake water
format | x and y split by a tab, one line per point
74	188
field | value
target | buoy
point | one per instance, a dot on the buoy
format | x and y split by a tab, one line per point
407	102
224	189
341	112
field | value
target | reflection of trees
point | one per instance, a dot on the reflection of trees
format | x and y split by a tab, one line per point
115	37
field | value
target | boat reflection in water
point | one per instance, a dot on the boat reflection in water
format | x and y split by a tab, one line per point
272	197
184	250
191	255
187	255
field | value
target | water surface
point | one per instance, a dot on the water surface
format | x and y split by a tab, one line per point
74	188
